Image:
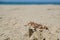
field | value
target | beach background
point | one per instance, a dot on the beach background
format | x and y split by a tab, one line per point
14	17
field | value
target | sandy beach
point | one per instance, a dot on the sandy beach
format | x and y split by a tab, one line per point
14	17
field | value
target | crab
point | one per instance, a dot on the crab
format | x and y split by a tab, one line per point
34	27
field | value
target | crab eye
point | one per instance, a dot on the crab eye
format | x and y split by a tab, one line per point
44	39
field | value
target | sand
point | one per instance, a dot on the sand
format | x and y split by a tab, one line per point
14	17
